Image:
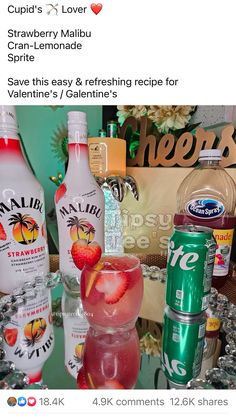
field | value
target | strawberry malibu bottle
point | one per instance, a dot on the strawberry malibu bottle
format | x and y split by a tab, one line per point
75	325
28	337
79	205
23	244
80	216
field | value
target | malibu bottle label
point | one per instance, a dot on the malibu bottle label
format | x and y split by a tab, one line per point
28	337
23	240
75	329
81	223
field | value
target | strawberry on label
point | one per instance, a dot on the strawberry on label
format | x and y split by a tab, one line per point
60	192
3	235
112	285
85	254
44	231
10	336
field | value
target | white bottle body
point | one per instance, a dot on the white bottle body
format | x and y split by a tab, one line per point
80	207
23	241
79	201
29	338
75	329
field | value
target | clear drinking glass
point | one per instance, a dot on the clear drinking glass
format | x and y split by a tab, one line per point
112	291
111	360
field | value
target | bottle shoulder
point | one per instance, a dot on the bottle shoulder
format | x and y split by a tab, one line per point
211	183
19	180
88	190
208	179
21	183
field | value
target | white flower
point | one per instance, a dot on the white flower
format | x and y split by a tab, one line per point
168	118
123	113
139	111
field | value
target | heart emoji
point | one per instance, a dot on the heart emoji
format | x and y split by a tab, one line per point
31	401
96	8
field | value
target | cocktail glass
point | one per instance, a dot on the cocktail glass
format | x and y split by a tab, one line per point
110	360
112	291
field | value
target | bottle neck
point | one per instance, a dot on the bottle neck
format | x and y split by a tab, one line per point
78	160
72	293
209	163
77	133
10	149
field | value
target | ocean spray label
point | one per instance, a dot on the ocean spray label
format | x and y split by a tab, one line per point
205	208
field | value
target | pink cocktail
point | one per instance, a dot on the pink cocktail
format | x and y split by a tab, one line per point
112	291
111	360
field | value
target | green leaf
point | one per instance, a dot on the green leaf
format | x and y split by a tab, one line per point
134	143
133	147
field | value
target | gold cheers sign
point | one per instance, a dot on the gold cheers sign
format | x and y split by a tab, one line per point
169	151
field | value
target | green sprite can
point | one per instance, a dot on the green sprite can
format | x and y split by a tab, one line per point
182	345
112	129
191	254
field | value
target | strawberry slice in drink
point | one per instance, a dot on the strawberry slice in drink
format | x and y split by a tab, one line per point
122	264
81	380
112	384
87	287
88	281
84	380
112	285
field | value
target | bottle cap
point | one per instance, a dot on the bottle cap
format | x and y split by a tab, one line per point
8	118
211	154
77	127
76	117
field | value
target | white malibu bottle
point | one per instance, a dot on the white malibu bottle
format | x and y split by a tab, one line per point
23	243
79	205
29	338
75	325
80	216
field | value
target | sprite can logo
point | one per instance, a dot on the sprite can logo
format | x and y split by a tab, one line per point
173	367
186	261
